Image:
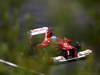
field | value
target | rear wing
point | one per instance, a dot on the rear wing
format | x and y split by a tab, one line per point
38	31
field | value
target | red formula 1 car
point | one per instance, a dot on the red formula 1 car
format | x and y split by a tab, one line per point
68	51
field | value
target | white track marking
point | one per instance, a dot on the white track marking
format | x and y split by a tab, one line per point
16	66
8	63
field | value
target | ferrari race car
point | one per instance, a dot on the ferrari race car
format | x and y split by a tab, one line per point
69	50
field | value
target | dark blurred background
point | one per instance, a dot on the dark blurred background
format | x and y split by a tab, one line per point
78	20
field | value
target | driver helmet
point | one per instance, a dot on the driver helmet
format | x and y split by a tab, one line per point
54	37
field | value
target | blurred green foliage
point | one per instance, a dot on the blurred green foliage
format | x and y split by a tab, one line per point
65	18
